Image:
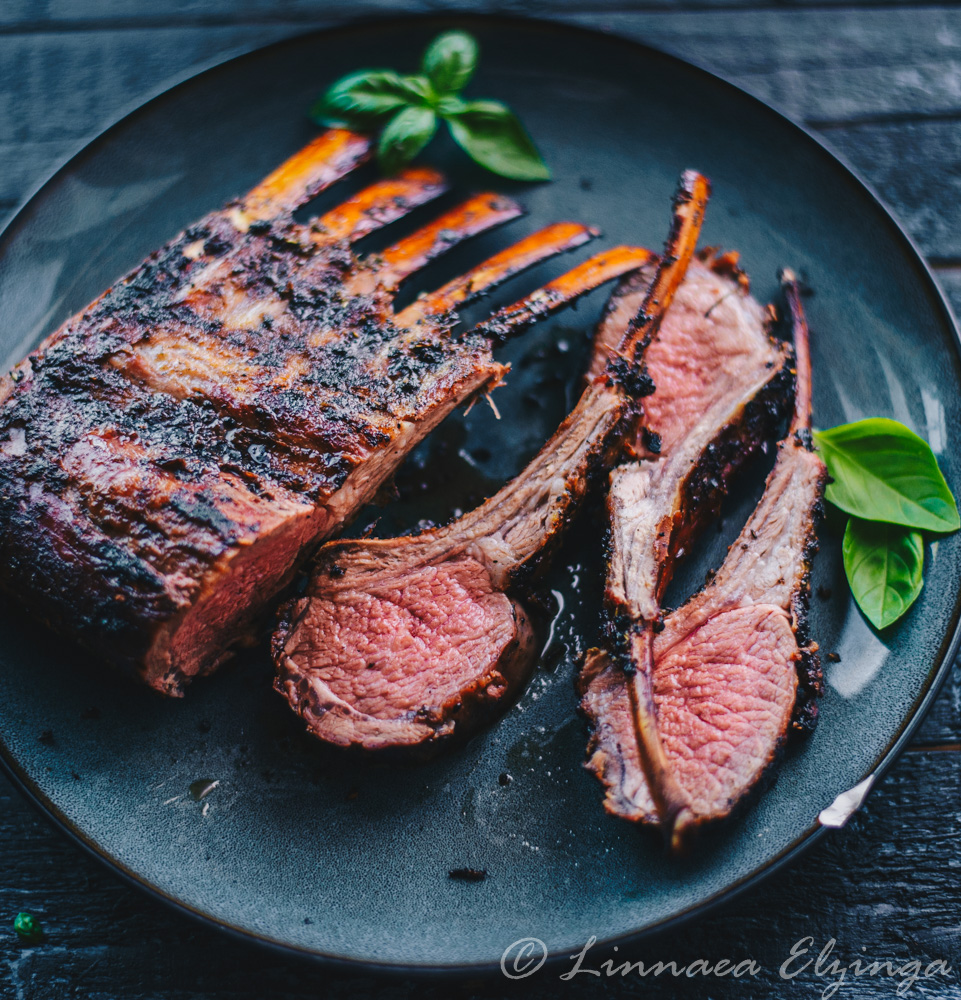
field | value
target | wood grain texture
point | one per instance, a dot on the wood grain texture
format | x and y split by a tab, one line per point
882	83
24	15
814	65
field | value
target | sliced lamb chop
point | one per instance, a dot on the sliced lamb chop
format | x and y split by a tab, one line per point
728	665
171	454
722	385
405	642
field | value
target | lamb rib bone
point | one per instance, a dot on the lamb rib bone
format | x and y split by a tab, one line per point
404	642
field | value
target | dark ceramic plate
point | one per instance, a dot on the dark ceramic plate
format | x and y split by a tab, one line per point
348	861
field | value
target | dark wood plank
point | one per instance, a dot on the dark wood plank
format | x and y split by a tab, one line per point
867	75
916	168
815	65
886	885
66	14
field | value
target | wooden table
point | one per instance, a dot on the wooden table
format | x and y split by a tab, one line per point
881	82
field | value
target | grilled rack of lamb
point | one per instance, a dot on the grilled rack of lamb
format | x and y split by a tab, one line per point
405	642
172	453
688	711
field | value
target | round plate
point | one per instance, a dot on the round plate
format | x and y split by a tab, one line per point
349	860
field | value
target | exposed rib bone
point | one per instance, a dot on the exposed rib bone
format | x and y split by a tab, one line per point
690	202
802	352
380	204
512	261
556	294
326	159
409	255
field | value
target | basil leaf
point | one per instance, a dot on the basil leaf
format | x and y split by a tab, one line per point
883	564
419	90
406	134
884	472
450	60
449	105
363	98
492	136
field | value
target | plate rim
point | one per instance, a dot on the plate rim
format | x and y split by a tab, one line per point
934	680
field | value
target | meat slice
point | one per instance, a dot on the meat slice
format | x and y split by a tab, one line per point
407	642
722	385
171	454
728	666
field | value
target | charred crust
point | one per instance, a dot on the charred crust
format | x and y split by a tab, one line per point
632	378
759	422
810	675
651	440
70	546
726	265
216	246
286	615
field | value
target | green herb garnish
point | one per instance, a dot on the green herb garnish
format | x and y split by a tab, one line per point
884	472
883	564
406	110
888	480
28	928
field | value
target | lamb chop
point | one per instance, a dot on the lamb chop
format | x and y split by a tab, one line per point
729	665
722	385
172	453
407	642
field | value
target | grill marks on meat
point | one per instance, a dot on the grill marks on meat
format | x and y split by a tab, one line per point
170	454
407	642
728	666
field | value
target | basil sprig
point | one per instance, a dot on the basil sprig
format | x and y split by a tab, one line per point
407	109
888	480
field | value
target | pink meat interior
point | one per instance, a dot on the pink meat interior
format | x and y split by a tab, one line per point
411	644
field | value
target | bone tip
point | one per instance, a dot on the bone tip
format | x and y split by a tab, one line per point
787	276
428	177
689	183
678	829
